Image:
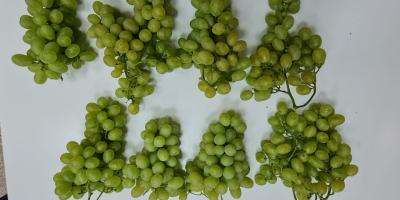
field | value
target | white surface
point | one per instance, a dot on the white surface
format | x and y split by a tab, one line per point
360	79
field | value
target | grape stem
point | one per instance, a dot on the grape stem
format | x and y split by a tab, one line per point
89	192
197	194
329	193
295	106
101	194
294	194
321	197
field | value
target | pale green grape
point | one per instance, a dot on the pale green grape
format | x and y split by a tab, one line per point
337	185
21	60
195	179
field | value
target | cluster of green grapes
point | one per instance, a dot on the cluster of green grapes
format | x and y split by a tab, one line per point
213	47
221	163
288	6
95	162
157	169
127	40
52	40
306	152
294	59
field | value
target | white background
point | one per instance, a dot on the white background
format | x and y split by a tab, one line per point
360	79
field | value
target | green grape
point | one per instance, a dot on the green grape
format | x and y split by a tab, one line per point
87	56
303	90
322	137
319	56
261	158
239	46
351	170
158	168
128	183
236	193
315	42
156	181
322	124
292	119
22	60
305	33
260	179
278	44
337	185
280	32
310	131
142	161
137	191
71	4
283	149
72	51
344	150
195	179
336	120
277	139
163	154
282	108
159	141
288	22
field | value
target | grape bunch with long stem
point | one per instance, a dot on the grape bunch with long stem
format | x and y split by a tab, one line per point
213	47
52	37
131	44
96	162
285	59
306	152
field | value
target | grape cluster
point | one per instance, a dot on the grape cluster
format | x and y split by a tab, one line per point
294	59
287	6
52	40
221	163
157	169
95	163
127	40
213	47
306	152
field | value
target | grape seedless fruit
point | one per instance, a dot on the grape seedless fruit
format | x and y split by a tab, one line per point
127	40
306	152
221	165
282	58
156	169
96	163
213	47
52	38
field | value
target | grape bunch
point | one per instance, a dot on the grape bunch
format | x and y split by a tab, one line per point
221	163
52	38
127	40
95	163
287	6
306	152
284	58
213	47
157	169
